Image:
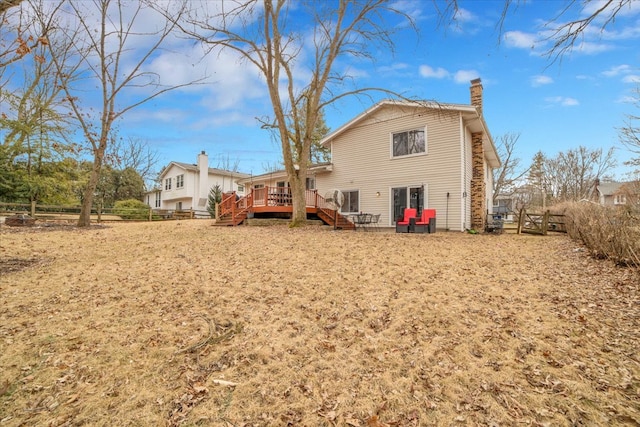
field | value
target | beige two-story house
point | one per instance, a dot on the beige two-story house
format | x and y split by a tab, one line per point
423	155
400	154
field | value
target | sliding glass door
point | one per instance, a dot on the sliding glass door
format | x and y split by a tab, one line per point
403	197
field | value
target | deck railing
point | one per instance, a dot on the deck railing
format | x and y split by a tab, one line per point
265	197
281	196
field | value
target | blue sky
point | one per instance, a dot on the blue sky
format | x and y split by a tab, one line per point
579	99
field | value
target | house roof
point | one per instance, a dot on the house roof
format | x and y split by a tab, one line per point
281	173
609	188
470	114
212	171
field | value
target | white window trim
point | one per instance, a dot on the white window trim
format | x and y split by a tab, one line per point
359	201
426	143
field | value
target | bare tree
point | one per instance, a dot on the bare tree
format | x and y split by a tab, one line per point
17	36
509	173
571	175
563	34
8	4
101	33
265	34
133	153
630	135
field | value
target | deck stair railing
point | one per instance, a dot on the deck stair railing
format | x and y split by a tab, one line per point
234	210
330	215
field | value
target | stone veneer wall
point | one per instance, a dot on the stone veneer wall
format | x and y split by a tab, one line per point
478	186
478	189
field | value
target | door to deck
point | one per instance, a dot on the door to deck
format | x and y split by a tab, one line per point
407	197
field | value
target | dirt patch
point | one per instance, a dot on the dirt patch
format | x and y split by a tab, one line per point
12	265
181	323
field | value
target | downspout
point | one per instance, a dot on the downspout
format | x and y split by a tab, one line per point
447	214
463	175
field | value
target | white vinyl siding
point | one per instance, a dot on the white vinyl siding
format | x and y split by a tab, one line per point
361	159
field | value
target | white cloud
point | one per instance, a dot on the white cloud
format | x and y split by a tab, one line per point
463	15
626	99
617	70
465	76
459	77
623	70
537	81
519	39
562	101
590	48
429	72
411	8
398	66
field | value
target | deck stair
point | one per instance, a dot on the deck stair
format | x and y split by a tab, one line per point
234	210
232	221
328	216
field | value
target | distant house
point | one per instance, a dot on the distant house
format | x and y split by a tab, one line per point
186	186
400	154
618	193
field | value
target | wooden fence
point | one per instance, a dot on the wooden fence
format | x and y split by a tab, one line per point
72	213
540	223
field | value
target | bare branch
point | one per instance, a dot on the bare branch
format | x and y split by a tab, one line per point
265	35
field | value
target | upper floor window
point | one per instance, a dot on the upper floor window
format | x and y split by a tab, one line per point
409	142
179	181
167	184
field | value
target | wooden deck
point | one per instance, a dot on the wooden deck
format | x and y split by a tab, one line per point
274	202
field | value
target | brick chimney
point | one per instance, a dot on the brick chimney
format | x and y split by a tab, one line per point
478	184
476	94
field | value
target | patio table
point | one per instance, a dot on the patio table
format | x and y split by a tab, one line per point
361	220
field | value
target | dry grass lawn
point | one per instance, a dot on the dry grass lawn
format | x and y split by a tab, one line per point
181	323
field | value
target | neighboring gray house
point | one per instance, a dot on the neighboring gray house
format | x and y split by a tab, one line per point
617	193
186	186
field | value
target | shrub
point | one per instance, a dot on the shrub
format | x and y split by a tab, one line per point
607	231
131	209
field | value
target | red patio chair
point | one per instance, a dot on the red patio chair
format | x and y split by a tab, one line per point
427	222
406	225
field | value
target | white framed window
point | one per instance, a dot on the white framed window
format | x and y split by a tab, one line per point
240	188
408	143
620	199
258	186
157	199
310	183
179	181
167	184
351	202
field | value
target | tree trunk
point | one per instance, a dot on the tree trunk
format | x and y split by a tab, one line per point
299	197
89	191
